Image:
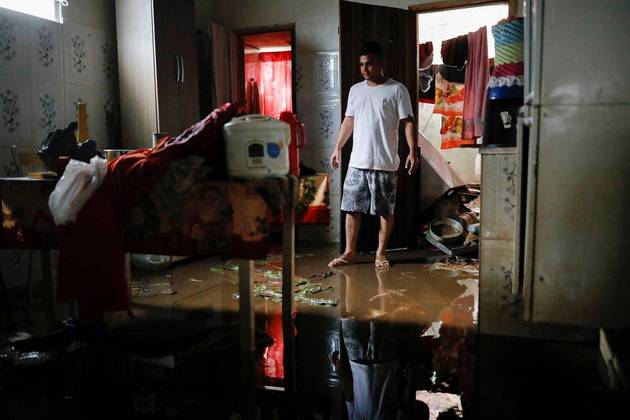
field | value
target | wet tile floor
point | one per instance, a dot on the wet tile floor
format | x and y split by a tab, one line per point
426	309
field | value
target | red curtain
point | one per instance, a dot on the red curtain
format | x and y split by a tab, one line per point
275	86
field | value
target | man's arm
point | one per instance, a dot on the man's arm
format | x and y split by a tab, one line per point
412	141
344	134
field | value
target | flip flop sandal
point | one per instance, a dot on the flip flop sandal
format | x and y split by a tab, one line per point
339	262
381	264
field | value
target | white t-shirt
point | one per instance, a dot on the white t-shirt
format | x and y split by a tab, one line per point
377	111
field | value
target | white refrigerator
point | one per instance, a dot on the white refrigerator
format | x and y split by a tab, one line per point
573	224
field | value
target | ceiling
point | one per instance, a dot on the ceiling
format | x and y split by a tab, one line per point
268	40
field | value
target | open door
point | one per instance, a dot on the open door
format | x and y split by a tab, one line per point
396	31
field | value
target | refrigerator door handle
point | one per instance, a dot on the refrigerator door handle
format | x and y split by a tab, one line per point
181	60
525	115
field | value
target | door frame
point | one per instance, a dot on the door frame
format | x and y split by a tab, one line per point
290	27
403	234
462	4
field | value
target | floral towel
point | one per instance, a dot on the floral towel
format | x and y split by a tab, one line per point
449	97
449	101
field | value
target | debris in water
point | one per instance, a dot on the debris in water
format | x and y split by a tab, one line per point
146	289
323	275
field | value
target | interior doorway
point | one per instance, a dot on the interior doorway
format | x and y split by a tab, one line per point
435	27
269	63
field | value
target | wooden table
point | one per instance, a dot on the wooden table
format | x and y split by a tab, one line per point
27	224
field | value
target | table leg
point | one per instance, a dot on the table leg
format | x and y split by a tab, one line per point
247	340
288	272
49	285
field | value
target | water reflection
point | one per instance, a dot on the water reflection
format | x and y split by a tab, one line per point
394	332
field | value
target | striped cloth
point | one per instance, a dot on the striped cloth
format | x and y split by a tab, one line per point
506	80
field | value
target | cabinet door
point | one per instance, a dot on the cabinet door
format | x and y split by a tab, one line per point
187	51
166	66
134	29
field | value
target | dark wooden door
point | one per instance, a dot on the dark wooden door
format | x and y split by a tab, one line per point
396	31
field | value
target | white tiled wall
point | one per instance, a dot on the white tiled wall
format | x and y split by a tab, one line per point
45	67
319	107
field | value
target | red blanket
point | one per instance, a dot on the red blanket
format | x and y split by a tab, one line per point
91	256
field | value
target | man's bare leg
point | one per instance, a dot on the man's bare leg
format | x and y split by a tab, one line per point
385	231
349	256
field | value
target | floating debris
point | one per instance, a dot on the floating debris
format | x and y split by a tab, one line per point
146	289
457	265
323	275
273	274
303	289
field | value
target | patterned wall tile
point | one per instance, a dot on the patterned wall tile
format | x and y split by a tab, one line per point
105	119
46	50
332	230
74	93
78	54
15	43
14	111
47	109
8	166
105	64
326	74
327	120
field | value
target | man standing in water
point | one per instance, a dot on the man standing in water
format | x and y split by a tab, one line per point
376	107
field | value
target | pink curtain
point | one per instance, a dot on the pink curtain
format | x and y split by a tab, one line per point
275	84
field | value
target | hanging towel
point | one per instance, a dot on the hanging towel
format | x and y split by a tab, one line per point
477	76
449	96
454	56
449	101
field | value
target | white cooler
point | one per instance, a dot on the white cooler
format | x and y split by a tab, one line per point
257	146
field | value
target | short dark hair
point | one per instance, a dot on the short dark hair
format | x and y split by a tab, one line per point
372	47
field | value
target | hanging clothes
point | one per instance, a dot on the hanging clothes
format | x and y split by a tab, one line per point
426	78
252	97
255	98
449	102
454	55
449	96
477	76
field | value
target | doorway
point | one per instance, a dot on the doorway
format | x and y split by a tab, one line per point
401	32
268	59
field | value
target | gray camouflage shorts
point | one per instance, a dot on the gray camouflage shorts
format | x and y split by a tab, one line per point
369	191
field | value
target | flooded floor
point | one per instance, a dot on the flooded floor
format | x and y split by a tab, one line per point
407	324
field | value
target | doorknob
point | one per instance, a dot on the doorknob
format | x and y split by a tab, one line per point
181	60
